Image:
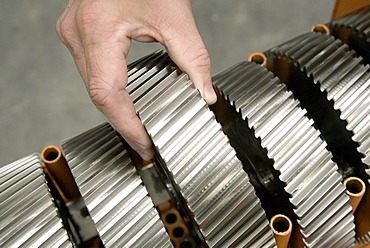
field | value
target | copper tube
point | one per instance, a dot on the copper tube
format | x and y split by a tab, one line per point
258	58
322	28
362	216
282	228
56	168
355	190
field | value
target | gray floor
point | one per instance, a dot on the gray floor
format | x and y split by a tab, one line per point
42	98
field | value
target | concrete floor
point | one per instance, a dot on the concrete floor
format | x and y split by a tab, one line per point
42	97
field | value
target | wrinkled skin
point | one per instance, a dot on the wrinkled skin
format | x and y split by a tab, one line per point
98	34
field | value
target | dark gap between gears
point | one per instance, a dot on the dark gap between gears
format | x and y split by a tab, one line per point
326	119
262	175
63	212
194	238
361	45
333	129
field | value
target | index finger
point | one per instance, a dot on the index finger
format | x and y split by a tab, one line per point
106	82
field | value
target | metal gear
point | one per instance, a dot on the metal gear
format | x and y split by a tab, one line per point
342	82
112	190
298	152
198	155
28	216
354	30
343	78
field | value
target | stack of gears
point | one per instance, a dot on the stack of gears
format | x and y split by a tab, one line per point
282	159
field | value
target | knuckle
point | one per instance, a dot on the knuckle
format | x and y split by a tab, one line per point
201	59
100	94
66	32
87	16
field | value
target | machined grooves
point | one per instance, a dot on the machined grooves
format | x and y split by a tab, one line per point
28	216
364	239
113	192
354	29
298	152
358	22
342	76
197	153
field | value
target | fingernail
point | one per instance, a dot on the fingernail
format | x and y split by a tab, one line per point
209	94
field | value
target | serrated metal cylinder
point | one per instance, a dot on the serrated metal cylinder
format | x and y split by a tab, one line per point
298	152
113	192
198	155
28	216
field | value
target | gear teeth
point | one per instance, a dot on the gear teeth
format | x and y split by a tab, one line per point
342	76
28	216
298	152
364	239
203	164
112	190
358	23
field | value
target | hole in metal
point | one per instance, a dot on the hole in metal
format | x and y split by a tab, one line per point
178	232
171	218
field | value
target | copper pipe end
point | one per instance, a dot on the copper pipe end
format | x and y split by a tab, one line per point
57	169
321	28
51	154
282	228
355	190
258	58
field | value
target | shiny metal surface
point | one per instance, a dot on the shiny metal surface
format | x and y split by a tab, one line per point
342	76
358	22
198	155
28	217
298	152
354	29
113	192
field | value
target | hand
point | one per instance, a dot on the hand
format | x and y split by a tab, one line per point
98	34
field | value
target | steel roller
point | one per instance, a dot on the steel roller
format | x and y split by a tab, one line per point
264	150
341	76
334	85
28	216
297	151
202	164
117	200
354	30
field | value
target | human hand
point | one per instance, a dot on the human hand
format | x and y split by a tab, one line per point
98	34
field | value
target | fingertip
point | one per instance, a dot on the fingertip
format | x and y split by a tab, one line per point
133	131
209	94
140	142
